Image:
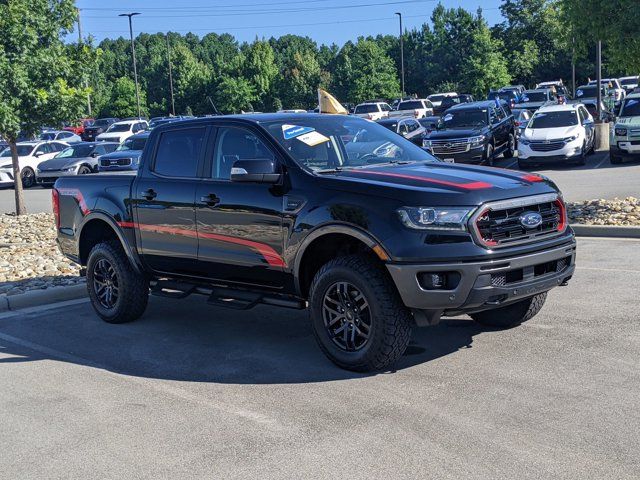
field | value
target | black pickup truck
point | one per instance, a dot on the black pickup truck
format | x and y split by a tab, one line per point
327	212
475	132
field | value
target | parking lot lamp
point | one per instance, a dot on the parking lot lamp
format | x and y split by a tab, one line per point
401	52
133	53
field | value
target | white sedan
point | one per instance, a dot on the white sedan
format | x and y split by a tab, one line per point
30	154
62	135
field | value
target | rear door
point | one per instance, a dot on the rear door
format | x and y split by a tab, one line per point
164	201
240	236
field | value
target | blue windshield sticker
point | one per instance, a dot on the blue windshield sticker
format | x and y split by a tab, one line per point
579	93
631	103
525	99
447	117
293	131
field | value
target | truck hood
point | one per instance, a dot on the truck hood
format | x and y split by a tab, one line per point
628	121
551	133
440	184
123	154
60	163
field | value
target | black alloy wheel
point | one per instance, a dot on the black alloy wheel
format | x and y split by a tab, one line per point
105	284
347	316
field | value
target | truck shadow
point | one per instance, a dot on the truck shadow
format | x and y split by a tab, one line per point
190	341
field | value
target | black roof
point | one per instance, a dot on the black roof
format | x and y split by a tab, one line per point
92	144
475	105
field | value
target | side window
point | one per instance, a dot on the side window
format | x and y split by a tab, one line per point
403	128
492	115
385	108
500	114
413	125
58	147
178	152
581	115
44	148
100	150
109	148
235	144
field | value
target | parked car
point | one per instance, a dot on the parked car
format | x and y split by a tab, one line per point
430	123
606	115
516	88
79	127
127	156
120	131
474	133
625	139
372	110
448	102
557	86
534	99
557	133
629	83
30	155
99	126
436	98
62	135
408	127
416	108
285	213
585	92
521	118
613	88
77	159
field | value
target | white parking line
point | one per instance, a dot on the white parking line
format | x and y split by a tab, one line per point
604	158
511	164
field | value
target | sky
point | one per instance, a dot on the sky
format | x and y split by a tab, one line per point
326	21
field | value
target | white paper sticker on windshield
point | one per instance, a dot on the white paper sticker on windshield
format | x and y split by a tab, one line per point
313	138
293	131
447	117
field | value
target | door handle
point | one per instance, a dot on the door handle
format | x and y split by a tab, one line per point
211	199
149	194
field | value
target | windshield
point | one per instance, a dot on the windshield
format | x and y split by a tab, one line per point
336	141
464	119
565	118
436	98
630	81
587	92
412	105
23	151
371	108
132	144
120	127
48	136
78	151
505	95
534	97
631	108
101	124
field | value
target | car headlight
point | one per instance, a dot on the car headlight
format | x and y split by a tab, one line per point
70	169
523	141
570	139
435	218
426	143
621	132
476	141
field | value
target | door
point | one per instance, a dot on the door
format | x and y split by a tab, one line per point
240	236
164	201
589	126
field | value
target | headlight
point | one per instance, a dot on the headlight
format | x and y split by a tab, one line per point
476	141
426	143
621	132
570	139
438	218
70	169
523	141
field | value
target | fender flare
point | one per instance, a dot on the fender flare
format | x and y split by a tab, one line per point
327	229
131	256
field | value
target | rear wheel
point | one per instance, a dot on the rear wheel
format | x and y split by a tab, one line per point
118	293
511	147
357	316
511	315
28	177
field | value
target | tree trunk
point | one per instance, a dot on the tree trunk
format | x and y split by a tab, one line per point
21	209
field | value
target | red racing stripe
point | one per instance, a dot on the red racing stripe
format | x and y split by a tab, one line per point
531	177
268	253
465	186
77	194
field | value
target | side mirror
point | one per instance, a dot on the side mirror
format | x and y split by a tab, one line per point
39	154
95	155
259	170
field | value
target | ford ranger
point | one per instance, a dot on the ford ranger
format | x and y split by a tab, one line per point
330	213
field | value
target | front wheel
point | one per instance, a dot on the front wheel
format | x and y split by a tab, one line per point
118	293
582	159
357	316
489	155
511	147
28	177
511	315
84	170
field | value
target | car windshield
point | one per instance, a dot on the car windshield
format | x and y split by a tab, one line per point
77	151
631	108
370	108
564	118
336	141
120	127
534	97
48	136
505	95
132	144
436	98
590	91
630	81
23	151
464	119
100	124
411	105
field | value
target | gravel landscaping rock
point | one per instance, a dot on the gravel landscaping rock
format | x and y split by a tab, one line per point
617	212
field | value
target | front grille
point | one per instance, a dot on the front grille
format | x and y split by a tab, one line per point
546	147
120	162
444	147
532	272
500	227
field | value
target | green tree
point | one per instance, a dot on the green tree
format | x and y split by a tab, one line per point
40	77
234	94
122	100
260	69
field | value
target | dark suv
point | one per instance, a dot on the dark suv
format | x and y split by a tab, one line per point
99	126
474	133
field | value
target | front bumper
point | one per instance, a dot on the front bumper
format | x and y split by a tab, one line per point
50	177
625	148
473	155
486	284
569	152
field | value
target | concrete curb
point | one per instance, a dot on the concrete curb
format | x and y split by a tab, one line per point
35	298
605	231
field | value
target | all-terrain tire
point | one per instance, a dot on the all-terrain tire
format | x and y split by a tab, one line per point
390	320
511	315
133	287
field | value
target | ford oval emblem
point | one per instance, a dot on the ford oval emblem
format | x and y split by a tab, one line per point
530	219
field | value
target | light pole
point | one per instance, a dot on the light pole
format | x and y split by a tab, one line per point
133	53
401	52
173	103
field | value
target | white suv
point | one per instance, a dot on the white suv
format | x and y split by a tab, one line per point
120	131
372	110
30	155
557	133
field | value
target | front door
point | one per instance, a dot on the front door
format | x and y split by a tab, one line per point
164	201
240	235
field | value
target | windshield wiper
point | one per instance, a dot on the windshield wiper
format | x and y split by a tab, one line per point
329	170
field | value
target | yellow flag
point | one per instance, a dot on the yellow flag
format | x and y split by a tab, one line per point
328	103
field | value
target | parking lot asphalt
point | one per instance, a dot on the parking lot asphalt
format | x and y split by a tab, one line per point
597	179
192	391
